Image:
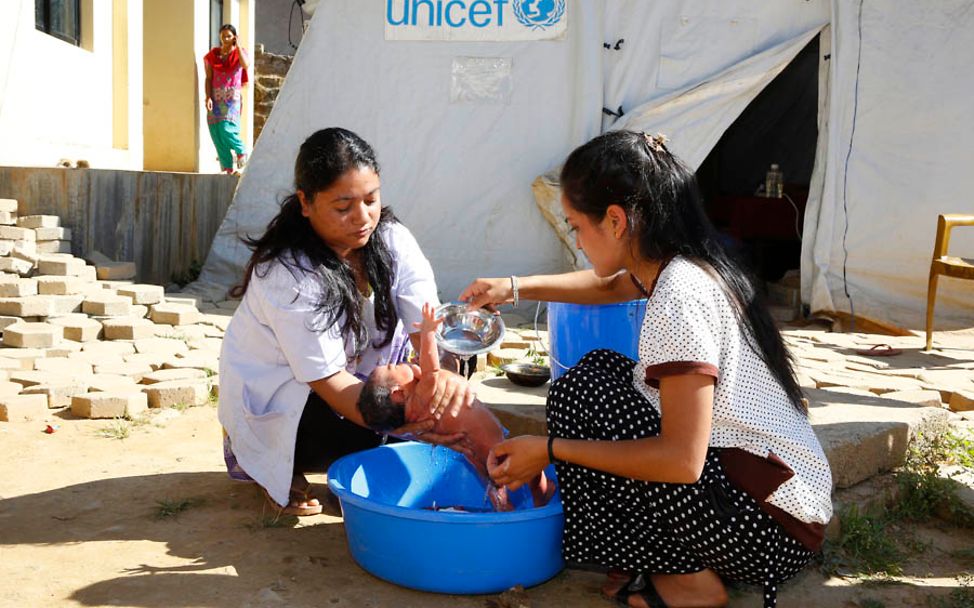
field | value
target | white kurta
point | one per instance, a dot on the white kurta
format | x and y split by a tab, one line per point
271	351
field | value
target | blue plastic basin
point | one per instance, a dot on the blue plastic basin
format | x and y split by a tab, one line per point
385	494
576	329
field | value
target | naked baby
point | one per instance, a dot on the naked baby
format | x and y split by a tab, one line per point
394	395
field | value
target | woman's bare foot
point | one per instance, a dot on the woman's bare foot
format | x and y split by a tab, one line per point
699	589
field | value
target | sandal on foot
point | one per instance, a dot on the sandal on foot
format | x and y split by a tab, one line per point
639	585
296	496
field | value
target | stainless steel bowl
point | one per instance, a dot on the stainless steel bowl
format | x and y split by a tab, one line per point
527	374
468	332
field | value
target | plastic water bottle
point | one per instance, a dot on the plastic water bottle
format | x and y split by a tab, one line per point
774	182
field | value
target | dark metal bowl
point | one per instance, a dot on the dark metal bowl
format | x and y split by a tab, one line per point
527	374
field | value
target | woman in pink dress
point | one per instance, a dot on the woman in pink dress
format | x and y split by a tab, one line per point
226	73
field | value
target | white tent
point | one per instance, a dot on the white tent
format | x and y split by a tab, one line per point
460	152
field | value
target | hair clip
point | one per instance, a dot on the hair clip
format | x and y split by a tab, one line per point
656	142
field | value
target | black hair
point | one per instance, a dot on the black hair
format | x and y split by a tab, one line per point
227	26
290	239
662	202
378	410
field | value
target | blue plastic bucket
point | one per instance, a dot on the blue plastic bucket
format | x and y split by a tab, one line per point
576	329
385	495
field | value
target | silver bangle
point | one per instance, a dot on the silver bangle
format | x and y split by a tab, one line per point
514	290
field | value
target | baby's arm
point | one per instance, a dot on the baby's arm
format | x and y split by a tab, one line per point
429	358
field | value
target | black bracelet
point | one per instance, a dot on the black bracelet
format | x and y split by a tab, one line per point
551	451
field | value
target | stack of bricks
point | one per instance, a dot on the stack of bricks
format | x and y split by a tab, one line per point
80	336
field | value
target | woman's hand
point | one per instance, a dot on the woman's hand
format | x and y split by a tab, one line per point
451	393
487	293
517	461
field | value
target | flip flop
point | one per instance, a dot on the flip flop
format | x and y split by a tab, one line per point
639	585
296	495
879	350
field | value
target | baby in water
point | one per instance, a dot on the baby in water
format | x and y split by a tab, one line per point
394	395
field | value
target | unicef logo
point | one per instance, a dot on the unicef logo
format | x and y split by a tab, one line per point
539	14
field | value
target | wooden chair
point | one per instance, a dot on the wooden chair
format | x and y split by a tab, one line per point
943	264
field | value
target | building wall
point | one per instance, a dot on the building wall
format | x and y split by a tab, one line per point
61	101
171	104
164	222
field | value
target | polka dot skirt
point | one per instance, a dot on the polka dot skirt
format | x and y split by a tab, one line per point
641	526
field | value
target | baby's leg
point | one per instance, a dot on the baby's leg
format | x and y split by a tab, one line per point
542	489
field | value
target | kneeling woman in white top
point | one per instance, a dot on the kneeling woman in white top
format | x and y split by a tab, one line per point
695	463
331	291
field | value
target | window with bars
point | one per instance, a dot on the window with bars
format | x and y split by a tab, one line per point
59	18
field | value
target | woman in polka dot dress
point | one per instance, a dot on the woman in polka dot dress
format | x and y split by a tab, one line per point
696	464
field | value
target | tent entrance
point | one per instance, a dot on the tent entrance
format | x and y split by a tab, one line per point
778	126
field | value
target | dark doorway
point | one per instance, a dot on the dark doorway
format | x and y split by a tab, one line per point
779	126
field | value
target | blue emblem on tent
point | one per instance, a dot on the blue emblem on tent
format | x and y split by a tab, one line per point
539	14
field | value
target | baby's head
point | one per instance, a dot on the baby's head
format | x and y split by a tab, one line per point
382	402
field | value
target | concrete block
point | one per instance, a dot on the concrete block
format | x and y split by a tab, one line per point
19	408
16	266
59	286
919	397
88	274
25	356
107	305
28	306
128	328
65	367
184	299
96	257
153	360
58	395
168	375
177	392
99	359
15	287
53	247
52	233
62	350
7	364
961	401
7	218
32	335
5	321
196	359
33	378
115	270
38	221
218	321
57	266
174	314
8	204
114	285
8	389
209	331
109	404
110	348
212	345
65	305
6	246
167	346
142	294
78	328
25	250
139	311
112	383
17	234
135	371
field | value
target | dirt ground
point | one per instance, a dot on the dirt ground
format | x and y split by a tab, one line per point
79	526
